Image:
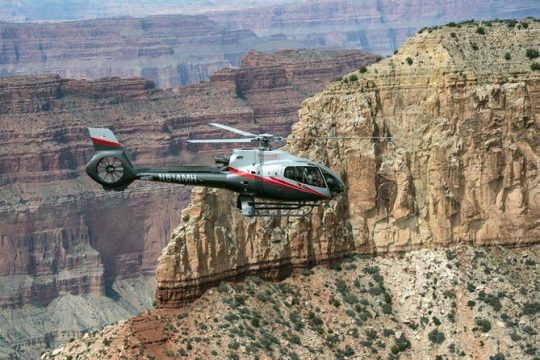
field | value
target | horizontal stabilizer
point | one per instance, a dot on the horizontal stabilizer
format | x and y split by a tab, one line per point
104	139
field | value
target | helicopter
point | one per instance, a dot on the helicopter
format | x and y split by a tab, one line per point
288	185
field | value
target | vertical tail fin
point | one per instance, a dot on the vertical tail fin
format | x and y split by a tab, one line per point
104	139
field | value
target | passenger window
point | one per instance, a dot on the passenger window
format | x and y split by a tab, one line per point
309	175
289	173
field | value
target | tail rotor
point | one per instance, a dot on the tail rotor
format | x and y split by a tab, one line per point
110	169
110	165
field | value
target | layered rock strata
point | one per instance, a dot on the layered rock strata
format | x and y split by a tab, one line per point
61	234
170	50
380	26
458	108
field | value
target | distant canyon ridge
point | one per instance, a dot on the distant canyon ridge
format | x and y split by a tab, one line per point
174	50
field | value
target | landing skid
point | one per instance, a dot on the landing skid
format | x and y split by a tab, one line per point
249	207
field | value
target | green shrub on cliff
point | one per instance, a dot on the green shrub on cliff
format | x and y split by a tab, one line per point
483	324
531	309
532	53
436	337
511	23
401	344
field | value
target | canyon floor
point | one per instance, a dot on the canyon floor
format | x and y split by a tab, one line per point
461	302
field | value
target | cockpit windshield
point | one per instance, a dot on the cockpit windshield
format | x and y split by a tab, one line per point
333	183
309	175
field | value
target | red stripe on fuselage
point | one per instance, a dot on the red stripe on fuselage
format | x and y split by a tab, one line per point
105	142
274	181
303	188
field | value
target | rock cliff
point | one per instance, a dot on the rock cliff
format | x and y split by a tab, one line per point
62	236
427	229
459	106
380	26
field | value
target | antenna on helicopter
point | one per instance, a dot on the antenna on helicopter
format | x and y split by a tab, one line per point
265	140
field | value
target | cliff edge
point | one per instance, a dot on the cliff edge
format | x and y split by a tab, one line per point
460	105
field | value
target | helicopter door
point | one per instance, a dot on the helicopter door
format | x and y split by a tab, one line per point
258	171
259	184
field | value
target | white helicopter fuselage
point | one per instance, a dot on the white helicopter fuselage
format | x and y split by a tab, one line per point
277	174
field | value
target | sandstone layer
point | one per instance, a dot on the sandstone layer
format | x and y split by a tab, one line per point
380	26
61	234
459	164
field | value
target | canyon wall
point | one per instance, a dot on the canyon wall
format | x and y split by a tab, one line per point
64	239
459	106
174	50
170	50
380	26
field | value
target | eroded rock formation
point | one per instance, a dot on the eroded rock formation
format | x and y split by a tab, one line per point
61	234
459	166
459	302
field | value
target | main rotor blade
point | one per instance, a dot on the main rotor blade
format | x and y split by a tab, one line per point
231	129
338	137
216	141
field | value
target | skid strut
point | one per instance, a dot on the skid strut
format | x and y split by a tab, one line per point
249	207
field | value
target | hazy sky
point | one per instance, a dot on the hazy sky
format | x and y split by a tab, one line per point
55	10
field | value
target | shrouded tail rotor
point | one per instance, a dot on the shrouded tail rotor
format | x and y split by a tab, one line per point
110	165
110	169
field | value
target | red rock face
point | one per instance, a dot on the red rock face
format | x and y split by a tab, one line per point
60	232
380	26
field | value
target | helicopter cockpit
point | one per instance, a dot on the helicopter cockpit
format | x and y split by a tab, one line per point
314	176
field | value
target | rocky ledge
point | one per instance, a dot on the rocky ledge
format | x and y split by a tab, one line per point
460	302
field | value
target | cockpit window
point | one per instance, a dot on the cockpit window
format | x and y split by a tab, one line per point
305	174
333	184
